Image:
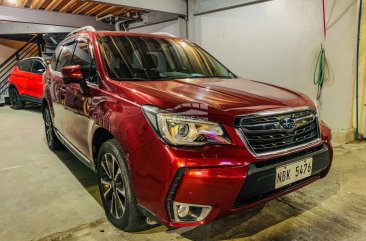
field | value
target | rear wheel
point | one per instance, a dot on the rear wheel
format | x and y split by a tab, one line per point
52	141
115	188
15	100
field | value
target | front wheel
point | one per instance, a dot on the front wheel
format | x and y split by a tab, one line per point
15	100
115	188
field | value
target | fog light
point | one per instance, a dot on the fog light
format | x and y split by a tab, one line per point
184	212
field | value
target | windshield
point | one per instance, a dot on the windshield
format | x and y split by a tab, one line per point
148	58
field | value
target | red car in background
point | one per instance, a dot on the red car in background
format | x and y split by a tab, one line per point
26	82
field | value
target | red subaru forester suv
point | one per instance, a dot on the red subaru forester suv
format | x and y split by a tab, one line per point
174	136
26	82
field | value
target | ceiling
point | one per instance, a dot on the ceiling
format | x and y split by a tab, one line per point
82	7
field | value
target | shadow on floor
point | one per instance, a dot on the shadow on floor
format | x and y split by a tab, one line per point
31	107
83	174
249	223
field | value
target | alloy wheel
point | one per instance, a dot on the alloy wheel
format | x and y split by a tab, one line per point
48	126
14	97
113	186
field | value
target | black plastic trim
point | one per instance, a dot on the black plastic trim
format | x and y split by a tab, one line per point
172	190
147	213
259	183
32	99
75	151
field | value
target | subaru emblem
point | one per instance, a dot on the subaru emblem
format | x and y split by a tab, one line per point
288	123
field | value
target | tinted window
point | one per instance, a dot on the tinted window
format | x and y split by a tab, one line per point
25	65
65	56
37	67
129	57
83	58
55	56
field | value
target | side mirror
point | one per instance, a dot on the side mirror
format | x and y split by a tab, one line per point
40	71
72	74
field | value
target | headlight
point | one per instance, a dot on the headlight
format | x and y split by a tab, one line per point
184	130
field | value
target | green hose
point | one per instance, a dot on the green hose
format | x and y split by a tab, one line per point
321	73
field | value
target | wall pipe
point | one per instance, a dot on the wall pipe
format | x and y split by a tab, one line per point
357	67
324	21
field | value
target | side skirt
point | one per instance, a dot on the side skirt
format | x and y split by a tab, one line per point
75	151
30	99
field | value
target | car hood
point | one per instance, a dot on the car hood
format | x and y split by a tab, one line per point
216	98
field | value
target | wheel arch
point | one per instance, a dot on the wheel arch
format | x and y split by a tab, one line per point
100	136
12	86
44	104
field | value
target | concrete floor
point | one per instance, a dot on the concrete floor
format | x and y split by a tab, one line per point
45	193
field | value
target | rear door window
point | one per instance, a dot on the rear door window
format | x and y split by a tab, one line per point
25	65
37	67
55	56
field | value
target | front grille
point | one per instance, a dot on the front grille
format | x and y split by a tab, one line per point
265	133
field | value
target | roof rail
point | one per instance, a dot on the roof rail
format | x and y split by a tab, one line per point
86	28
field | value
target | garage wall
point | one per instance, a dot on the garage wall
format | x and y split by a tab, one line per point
278	42
362	75
171	27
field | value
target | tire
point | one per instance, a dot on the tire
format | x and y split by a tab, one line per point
115	188
52	141
15	100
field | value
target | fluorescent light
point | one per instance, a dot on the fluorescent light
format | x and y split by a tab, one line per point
12	2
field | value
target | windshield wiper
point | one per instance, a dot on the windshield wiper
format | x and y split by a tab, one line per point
209	77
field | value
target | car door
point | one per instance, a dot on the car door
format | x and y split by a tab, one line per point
61	58
22	76
35	84
77	102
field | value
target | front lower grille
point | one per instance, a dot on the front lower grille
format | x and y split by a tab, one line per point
276	131
261	177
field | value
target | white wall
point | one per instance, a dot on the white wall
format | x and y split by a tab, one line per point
171	27
278	42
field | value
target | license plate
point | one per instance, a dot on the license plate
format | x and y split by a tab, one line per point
293	172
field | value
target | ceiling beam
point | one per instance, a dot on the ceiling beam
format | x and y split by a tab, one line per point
169	6
53	5
96	8
152	18
67	5
22	3
82	7
25	15
29	28
37	3
105	11
210	6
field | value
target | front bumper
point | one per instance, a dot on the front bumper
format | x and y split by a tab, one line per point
233	189
228	179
